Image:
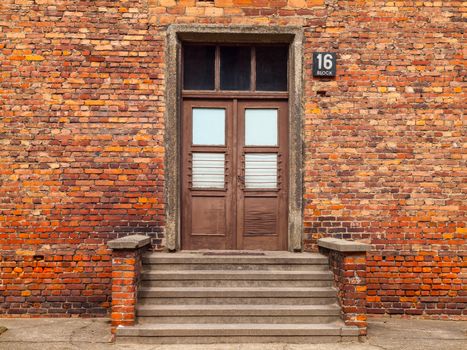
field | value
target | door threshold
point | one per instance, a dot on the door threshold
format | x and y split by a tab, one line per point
214	253
208	252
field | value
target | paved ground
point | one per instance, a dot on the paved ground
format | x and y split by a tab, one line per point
94	334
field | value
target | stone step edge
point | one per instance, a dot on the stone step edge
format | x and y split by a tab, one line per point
269	275
165	262
217	292
234	260
236	329
238	310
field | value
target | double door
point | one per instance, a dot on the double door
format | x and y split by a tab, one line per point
234	175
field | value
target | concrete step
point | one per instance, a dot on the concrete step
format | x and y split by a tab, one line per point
236	283
257	292
234	332
232	301
229	278
235	297
237	267
237	319
269	261
238	313
232	295
237	310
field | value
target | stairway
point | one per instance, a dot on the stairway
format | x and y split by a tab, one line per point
236	297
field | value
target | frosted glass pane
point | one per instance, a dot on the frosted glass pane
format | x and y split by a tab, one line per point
208	170
208	126
261	170
261	127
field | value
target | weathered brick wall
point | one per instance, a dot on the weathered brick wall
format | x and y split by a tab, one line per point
385	147
126	276
349	269
82	149
82	146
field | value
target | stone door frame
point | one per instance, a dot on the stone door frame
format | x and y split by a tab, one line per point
176	34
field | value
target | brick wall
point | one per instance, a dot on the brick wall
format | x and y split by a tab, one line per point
82	141
349	270
126	276
82	149
428	283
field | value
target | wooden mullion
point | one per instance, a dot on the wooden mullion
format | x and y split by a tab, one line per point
234	171
217	69
253	69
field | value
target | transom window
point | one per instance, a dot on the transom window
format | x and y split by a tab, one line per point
235	67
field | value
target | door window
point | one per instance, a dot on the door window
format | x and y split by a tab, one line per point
235	67
271	68
208	126
261	127
199	67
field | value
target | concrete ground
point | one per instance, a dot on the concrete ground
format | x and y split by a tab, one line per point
94	334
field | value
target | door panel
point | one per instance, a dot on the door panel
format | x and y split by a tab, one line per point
260	216
208	216
234	181
262	160
207	200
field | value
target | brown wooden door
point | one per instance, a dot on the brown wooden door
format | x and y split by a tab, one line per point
262	168
234	181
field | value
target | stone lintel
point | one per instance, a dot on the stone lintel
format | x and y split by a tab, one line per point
129	242
342	245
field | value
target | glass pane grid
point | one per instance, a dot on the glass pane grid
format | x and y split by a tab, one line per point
208	170
261	170
236	63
